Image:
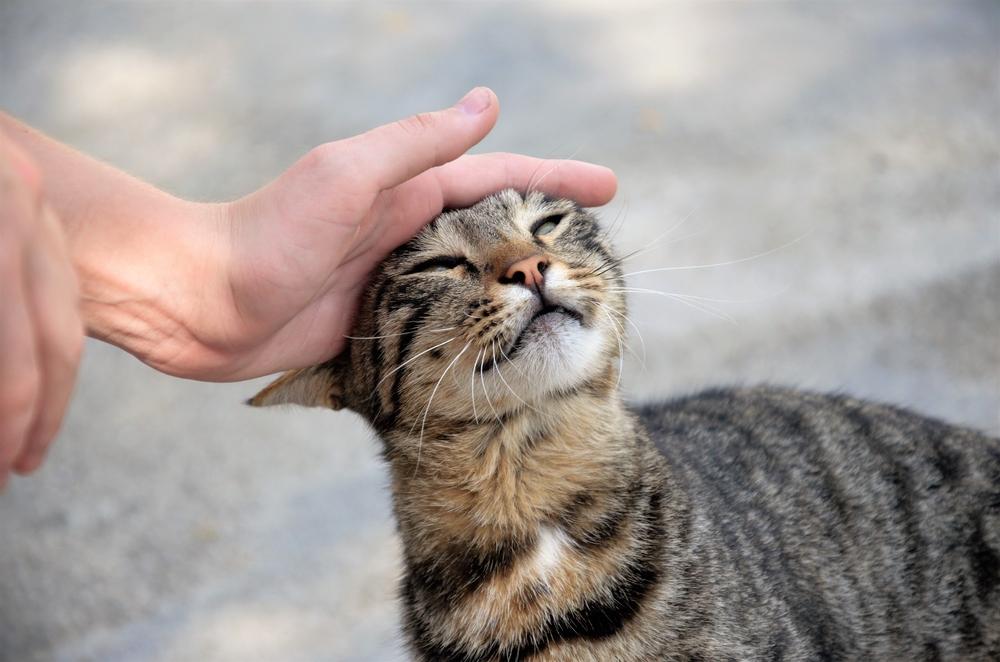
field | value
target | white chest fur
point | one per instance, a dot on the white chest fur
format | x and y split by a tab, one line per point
550	551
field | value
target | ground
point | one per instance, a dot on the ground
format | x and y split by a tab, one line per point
845	156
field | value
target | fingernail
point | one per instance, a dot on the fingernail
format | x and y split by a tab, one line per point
476	101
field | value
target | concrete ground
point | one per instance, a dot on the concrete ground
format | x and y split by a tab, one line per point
853	147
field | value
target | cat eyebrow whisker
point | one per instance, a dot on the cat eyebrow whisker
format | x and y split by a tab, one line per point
614	228
427	409
721	264
403	333
532	183
645	249
650	245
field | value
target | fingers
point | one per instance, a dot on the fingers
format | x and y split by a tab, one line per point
40	327
19	381
470	178
394	153
52	291
402	211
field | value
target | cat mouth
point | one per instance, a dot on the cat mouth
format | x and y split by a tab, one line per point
545	311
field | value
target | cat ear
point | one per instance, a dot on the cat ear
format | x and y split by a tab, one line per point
318	386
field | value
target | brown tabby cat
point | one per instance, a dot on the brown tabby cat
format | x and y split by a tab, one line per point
542	519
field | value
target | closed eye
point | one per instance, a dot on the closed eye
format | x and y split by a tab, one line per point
442	264
546	224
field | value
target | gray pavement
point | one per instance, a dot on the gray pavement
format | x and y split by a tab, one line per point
859	140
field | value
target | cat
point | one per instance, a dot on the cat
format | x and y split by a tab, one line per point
542	518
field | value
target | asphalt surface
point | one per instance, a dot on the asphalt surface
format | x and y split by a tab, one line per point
845	157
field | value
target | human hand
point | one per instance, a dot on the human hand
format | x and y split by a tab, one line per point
41	332
299	251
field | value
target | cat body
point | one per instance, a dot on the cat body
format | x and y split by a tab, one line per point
543	519
830	528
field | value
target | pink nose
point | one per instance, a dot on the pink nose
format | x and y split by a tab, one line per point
528	271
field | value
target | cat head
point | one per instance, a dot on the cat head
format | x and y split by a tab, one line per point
503	305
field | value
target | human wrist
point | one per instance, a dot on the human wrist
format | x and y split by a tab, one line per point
147	273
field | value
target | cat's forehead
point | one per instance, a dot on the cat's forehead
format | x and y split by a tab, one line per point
500	217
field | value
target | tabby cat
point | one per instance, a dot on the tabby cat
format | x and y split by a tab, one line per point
543	518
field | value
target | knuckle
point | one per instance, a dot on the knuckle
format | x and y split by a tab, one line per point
418	123
331	161
322	158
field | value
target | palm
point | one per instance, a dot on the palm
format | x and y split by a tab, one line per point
297	282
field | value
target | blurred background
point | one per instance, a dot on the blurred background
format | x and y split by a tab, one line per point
844	156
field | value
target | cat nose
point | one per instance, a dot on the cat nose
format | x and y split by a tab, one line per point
527	271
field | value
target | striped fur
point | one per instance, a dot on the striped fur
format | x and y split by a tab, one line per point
544	519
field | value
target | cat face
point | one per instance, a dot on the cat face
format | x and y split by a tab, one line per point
489	308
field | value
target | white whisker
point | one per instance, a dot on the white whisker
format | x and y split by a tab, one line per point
508	359
533	184
408	361
404	333
627	319
475	414
720	264
496	366
645	290
655	243
690	300
427	409
486	394
614	228
621	352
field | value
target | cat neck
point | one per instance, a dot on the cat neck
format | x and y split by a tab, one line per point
507	475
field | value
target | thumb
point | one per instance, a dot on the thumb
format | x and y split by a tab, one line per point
396	152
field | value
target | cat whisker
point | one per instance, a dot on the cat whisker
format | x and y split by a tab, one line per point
621	351
404	333
408	361
486	393
427	409
496	366
532	184
627	319
688	300
721	264
507	358
655	243
542	161
475	414
614	228
646	290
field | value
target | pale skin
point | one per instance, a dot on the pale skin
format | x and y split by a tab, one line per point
220	291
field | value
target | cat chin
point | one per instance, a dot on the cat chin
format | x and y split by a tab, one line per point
557	353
